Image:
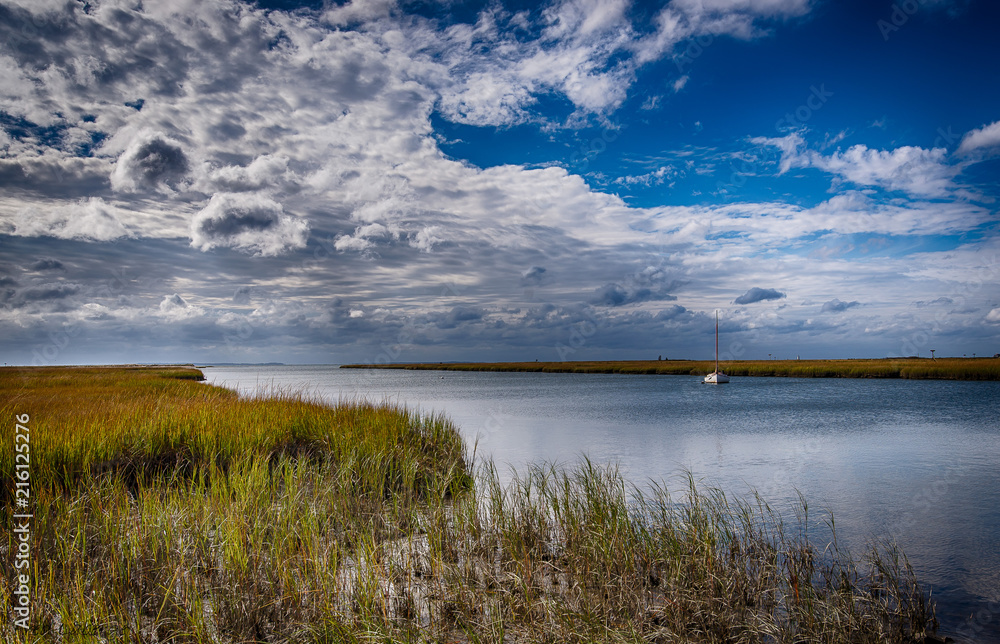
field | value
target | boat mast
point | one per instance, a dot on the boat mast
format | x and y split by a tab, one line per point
716	341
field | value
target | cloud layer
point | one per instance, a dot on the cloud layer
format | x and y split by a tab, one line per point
215	179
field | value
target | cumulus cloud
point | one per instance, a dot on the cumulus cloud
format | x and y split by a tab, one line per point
836	306
266	171
488	98
350	242
150	162
175	308
757	294
250	222
171	302
366	236
917	171
47	264
459	315
985	140
92	220
611	295
650	284
671	312
993	316
357	11
426	238
911	169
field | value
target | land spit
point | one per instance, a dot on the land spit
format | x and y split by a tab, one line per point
908	368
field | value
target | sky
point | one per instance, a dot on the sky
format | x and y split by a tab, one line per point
387	181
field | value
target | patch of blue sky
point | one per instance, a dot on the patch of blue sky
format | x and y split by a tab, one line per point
21	128
984	178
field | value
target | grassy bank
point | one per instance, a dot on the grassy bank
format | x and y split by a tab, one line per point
169	510
915	368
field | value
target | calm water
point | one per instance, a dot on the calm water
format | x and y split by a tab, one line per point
917	460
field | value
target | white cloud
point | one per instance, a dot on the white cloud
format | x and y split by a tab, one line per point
90	219
914	170
488	98
426	238
782	8
838	306
174	308
651	102
357	11
986	138
266	171
365	237
993	316
791	147
653	178
249	222
736	17
681	82
351	242
574	54
151	161
681	20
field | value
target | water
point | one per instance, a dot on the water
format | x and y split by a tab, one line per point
915	460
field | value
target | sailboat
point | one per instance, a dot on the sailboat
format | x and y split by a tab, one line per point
716	377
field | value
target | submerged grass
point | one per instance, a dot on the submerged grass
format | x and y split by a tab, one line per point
909	368
168	510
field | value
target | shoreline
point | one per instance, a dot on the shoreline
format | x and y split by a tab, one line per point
982	369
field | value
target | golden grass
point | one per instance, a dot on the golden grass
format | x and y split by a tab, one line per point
173	511
141	421
913	368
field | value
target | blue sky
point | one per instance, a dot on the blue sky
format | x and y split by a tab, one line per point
378	181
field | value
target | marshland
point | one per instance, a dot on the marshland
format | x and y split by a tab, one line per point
907	368
166	509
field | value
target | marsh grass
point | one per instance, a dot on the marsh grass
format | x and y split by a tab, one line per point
170	511
906	368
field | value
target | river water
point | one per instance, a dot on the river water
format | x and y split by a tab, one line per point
917	461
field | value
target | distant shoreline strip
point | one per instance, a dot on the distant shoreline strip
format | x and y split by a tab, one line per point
902	368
